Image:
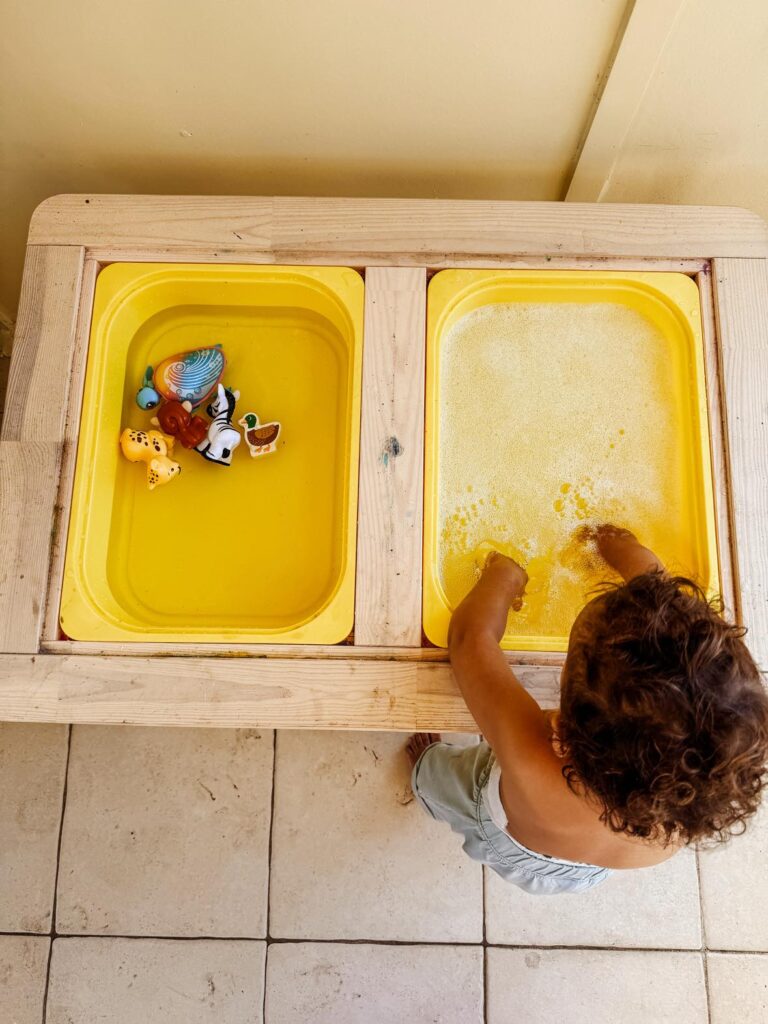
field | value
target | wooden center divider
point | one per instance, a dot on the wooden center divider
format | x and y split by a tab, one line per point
389	526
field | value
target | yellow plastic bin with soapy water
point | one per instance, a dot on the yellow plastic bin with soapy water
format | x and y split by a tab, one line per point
556	400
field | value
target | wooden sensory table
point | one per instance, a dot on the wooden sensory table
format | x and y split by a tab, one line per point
384	677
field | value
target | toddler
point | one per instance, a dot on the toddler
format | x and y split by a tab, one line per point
660	740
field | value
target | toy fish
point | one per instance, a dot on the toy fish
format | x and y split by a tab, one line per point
261	438
186	377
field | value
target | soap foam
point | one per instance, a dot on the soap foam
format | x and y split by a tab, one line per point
553	417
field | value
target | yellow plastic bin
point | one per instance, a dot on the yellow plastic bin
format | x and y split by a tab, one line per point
558	399
262	550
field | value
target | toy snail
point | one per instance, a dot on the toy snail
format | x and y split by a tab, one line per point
261	438
153	448
186	377
176	418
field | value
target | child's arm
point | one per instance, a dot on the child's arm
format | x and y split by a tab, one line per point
507	715
623	552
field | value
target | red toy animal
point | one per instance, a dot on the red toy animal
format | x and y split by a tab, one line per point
176	419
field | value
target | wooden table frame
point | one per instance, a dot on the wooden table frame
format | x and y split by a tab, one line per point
385	678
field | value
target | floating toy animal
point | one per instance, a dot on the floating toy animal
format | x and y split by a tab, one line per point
185	377
176	418
153	448
222	438
261	438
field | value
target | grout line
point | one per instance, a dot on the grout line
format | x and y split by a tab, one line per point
269	942
269	871
740	952
271	832
586	948
264	998
483	894
393	942
705	966
484	872
485	985
705	963
52	932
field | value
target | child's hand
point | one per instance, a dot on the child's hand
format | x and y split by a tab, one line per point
486	607
622	550
503	571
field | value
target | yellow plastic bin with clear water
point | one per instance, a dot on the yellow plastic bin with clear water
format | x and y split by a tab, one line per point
557	400
262	550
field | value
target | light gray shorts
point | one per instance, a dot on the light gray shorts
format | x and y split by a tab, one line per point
448	782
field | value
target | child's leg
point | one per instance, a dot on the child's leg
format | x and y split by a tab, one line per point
447	781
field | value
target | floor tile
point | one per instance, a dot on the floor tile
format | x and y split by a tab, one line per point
655	907
149	981
336	983
738	988
23	967
354	856
530	986
734	887
33	762
166	832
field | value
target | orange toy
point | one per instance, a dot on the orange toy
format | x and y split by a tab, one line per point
176	418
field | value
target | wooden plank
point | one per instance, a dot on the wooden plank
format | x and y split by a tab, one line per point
360	260
203	650
643	40
389	530
718	444
232	221
515	659
441	709
429	227
38	382
28	478
741	293
242	693
60	530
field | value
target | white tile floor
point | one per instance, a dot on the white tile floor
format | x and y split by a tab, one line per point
244	877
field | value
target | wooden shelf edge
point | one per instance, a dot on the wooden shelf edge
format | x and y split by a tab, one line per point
316	224
284	652
235	692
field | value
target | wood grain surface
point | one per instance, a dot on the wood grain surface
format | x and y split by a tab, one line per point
389	526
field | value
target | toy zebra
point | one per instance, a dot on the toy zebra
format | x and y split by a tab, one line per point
222	438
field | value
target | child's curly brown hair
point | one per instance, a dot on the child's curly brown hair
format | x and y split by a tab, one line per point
664	717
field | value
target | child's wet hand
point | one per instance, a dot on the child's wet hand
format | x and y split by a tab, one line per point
506	571
604	534
622	550
608	537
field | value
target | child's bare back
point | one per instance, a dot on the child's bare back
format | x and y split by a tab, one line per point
661	738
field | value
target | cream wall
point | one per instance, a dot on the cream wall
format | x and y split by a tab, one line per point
701	133
449	98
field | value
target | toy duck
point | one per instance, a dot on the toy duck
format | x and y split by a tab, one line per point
260	438
186	377
153	448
